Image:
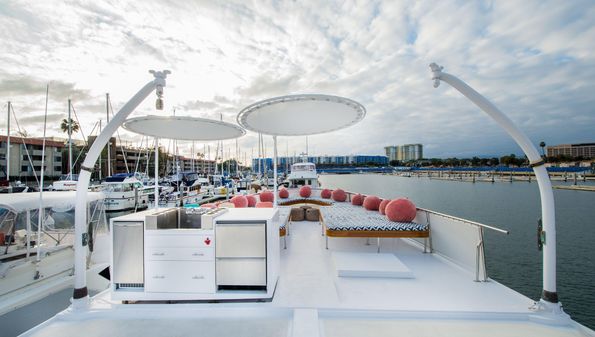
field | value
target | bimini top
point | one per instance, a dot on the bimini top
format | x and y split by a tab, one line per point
301	115
20	202
183	128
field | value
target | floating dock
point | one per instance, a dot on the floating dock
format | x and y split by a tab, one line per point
588	188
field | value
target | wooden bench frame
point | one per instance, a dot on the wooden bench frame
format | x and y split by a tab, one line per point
377	234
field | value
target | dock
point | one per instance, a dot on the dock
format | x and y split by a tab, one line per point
588	188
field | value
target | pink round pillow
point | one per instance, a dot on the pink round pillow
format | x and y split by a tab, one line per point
357	200
251	200
305	191
239	201
267	196
372	203
264	204
209	205
339	195
326	193
400	210
382	206
283	193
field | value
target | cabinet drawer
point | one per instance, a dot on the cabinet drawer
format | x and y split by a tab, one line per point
241	240
242	272
175	241
179	254
180	277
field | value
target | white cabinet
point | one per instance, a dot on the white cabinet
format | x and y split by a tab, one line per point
183	263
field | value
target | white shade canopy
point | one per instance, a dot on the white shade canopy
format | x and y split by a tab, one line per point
301	115
183	128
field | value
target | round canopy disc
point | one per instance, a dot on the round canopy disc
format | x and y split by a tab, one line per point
301	115
183	128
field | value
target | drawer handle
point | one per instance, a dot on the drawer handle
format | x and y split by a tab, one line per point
198	254
159	277
158	254
195	277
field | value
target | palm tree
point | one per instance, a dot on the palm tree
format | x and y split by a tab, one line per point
74	125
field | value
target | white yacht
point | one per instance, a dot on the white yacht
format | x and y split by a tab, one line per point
67	182
302	174
124	191
224	273
35	264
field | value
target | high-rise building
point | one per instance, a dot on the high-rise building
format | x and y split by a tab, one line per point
585	150
405	152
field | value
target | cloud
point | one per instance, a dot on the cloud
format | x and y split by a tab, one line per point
537	68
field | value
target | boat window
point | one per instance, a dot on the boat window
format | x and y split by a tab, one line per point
127	187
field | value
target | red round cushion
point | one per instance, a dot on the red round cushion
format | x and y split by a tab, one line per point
383	204
239	201
339	195
264	204
251	200
305	191
209	205
267	196
326	193
357	200
372	203
400	210
283	193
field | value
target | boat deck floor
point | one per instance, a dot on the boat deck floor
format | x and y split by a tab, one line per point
441	299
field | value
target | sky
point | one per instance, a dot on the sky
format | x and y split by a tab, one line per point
535	60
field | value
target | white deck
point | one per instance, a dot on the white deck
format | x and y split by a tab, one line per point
310	300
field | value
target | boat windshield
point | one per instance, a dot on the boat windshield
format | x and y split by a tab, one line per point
125	187
303	167
74	177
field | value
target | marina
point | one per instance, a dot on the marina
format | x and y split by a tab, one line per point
297	169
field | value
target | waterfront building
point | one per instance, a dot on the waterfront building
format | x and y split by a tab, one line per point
186	164
585	150
20	166
405	152
284	163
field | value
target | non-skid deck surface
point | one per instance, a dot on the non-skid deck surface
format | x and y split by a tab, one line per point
311	300
373	265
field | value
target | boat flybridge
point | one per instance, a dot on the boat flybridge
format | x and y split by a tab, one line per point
262	271
302	174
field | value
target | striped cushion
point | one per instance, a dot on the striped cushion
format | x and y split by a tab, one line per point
345	217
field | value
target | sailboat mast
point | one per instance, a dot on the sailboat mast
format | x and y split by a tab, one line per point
8	145
41	212
237	156
69	140
109	172
192	157
100	167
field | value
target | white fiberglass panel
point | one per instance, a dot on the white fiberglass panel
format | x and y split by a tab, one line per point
453	239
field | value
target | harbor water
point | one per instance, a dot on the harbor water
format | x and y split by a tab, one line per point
513	259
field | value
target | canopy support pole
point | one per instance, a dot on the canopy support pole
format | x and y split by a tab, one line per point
80	296
156	173
275	170
549	298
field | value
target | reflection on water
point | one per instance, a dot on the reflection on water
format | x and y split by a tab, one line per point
511	259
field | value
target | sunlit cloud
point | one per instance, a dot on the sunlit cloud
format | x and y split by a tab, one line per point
538	68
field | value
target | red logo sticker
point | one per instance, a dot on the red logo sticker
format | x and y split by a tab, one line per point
208	241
